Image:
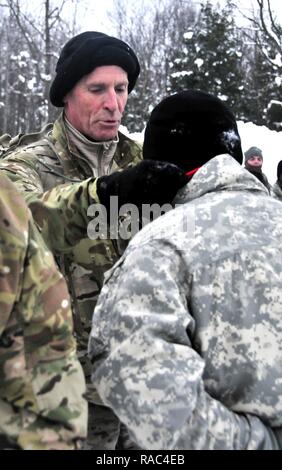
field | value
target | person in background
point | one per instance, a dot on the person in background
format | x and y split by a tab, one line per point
186	345
42	386
277	187
94	75
253	163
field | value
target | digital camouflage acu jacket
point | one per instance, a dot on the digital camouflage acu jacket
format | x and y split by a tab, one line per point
41	381
52	161
277	191
186	342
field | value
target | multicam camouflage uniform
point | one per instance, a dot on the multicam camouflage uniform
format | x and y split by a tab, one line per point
46	164
187	343
277	191
41	381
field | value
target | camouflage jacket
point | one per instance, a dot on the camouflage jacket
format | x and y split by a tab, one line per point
277	191
41	381
187	345
53	161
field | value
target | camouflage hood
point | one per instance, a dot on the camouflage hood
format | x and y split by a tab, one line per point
219	173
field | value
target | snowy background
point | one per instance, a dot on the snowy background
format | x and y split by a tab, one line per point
227	52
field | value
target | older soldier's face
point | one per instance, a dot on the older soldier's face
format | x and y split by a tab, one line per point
96	104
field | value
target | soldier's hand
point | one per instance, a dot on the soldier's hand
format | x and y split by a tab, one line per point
148	182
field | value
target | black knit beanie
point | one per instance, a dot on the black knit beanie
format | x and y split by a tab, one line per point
253	152
279	169
189	128
83	53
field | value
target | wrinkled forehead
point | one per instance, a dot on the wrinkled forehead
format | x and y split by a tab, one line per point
106	73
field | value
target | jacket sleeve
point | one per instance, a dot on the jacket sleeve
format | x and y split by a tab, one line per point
42	383
21	169
62	213
42	404
144	365
12	255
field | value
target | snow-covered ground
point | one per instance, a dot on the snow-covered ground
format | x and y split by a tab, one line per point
270	142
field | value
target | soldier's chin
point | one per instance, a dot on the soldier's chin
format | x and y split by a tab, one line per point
106	133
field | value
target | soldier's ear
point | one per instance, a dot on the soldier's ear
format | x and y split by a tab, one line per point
66	97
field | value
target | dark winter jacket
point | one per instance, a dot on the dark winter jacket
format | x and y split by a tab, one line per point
257	172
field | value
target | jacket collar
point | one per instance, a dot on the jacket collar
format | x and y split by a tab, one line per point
222	172
127	151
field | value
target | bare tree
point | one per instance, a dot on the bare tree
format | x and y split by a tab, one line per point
40	39
155	30
265	64
32	36
270	27
266	31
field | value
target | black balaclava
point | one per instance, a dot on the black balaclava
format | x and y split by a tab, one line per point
189	128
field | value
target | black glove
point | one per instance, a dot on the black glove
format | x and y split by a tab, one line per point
148	182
